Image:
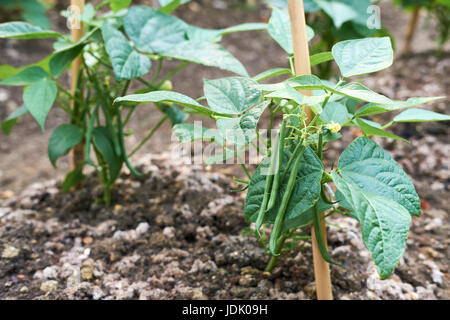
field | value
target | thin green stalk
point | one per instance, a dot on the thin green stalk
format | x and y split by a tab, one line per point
151	133
171	73
246	171
158	71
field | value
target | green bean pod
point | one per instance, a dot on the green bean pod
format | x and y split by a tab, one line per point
277	226
319	238
276	178
90	129
122	145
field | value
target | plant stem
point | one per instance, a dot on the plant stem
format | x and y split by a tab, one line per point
246	171
151	133
172	73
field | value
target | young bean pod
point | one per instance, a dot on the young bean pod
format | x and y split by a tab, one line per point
284	202
276	178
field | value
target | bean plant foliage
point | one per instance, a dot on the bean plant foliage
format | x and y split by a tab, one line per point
118	47
291	189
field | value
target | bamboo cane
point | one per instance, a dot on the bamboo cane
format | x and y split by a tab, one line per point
302	67
412	25
76	31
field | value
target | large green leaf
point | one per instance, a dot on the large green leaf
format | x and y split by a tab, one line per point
63	138
374	108
167	96
127	63
370	129
337	11
231	95
11	121
420	115
242	130
360	92
62	59
153	31
187	132
117	5
384	224
367	166
104	143
279	28
206	53
305	193
361	56
25	77
336	112
23	30
39	98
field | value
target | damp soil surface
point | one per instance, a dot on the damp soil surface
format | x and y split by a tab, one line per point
176	233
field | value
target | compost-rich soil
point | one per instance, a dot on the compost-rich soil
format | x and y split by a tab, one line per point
176	232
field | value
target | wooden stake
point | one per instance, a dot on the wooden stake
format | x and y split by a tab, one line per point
303	67
76	31
412	25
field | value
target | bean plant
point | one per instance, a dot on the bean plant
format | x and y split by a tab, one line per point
292	189
337	20
438	11
118	49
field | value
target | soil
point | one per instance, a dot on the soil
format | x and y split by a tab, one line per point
176	232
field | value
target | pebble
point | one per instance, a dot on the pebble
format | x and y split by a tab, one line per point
169	232
142	228
10	252
49	286
24	289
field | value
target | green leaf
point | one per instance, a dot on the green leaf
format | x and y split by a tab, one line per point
249	26
63	138
11	121
117	5
336	112
221	158
231	95
384	224
72	179
39	98
271	73
23	30
168	6
206	53
374	108
187	132
420	115
242	130
360	92
25	77
366	166
362	56
62	60
305	193
153	31
371	130
167	96
321	57
127	63
337	11
194	33
279	28
34	12
105	144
